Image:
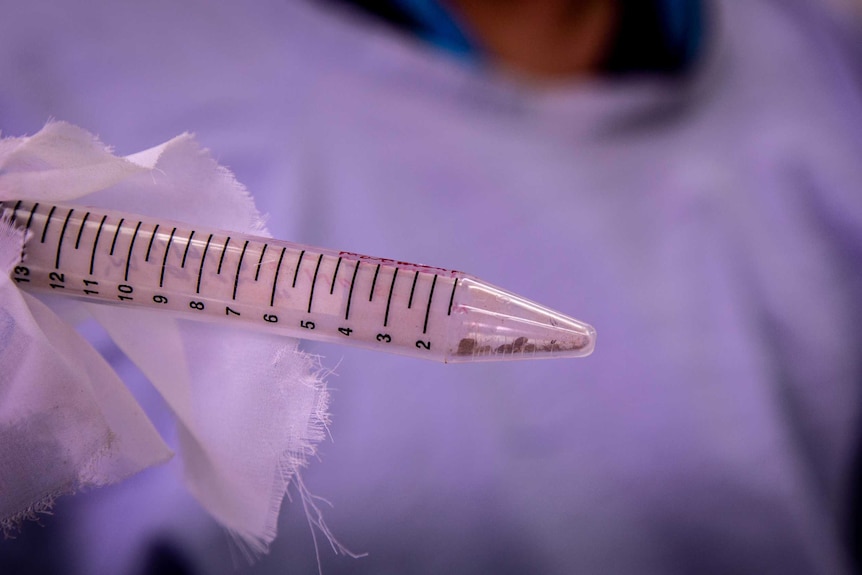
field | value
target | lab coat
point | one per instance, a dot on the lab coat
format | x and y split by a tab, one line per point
709	227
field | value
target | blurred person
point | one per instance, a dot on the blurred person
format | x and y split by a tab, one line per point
683	175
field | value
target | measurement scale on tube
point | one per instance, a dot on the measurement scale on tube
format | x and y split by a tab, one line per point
277	286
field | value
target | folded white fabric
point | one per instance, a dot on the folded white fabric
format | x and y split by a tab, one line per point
249	407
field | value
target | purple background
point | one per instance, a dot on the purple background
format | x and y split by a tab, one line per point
711	230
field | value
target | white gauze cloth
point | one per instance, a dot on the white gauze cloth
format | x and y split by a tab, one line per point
249	407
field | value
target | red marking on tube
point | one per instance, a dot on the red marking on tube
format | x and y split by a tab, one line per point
400	264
